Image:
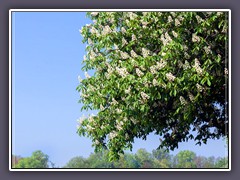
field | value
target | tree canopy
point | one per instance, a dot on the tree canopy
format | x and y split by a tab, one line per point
37	160
161	72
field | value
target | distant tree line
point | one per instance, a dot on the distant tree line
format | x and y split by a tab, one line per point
141	159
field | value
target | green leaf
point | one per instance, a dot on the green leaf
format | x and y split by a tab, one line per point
208	82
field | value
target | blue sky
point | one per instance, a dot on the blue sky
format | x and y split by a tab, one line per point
47	53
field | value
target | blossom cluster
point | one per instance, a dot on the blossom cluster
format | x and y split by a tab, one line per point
80	121
133	54
155	82
197	66
122	71
94	13
124	41
124	55
195	38
118	111
186	65
127	91
119	125
161	64
207	49
145	52
170	76
106	30
225	71
191	97
132	15
199	87
80	79
87	75
182	100
112	135
165	38
139	72
144	96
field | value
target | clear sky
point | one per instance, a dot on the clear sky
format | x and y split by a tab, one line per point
47	53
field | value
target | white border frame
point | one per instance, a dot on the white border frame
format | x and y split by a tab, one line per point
110	10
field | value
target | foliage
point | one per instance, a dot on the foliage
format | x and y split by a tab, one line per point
222	163
76	162
15	160
162	72
143	159
37	160
185	159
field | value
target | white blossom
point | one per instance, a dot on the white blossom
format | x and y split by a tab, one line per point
145	52
153	70
79	79
163	40
106	30
199	19
123	98
145	13
88	25
182	100
173	14
87	75
144	23
186	55
116	46
225	71
195	38
132	15
101	108
123	30
89	128
134	37
81	119
124	55
155	82
126	136
127	91
93	30
94	13
144	96
199	87
114	102
119	125
180	18
177	22
89	41
161	64
170	76
139	72
191	97
174	34
207	49
170	19
197	66
122	71
186	65
97	142
124	42
133	54
180	64
133	120
112	135
168	38
118	111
